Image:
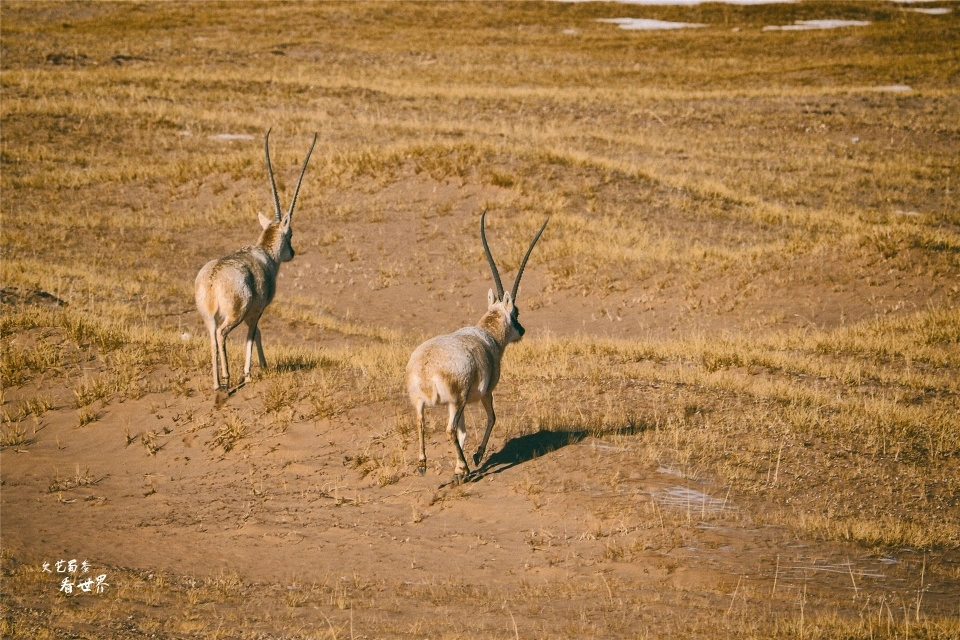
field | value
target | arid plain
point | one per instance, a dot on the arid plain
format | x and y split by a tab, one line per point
735	412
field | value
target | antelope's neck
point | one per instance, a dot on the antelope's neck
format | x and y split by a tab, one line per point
269	257
271	243
493	323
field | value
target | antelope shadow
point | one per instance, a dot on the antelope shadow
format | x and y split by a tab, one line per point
302	363
534	445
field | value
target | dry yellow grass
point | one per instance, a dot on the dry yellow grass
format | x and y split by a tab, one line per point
751	274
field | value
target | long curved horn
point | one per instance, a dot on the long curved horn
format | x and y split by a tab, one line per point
493	265
516	283
303	170
273	183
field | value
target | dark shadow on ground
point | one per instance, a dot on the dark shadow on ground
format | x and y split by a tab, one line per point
302	363
531	446
18	296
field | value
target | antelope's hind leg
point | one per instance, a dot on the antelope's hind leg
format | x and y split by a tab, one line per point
457	431
214	351
422	460
487	402
221	345
253	336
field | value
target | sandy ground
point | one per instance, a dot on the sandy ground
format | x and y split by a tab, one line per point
562	533
556	526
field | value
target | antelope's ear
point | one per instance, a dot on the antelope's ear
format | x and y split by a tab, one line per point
508	301
264	220
491	298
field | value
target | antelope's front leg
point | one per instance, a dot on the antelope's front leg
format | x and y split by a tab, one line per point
214	355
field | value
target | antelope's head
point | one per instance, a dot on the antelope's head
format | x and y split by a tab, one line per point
277	235
502	307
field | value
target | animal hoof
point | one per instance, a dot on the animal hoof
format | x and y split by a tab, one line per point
221	397
459	479
422	467
476	458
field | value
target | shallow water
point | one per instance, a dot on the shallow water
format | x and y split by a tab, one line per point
644	24
805	25
231	136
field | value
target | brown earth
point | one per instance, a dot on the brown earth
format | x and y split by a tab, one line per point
293	509
562	534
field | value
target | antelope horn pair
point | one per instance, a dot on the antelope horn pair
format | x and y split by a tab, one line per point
493	265
273	183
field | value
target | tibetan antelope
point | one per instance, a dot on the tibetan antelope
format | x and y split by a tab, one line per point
464	366
238	287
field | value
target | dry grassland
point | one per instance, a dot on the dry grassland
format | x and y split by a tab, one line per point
737	409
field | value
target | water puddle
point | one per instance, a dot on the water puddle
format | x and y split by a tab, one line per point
231	136
934	11
806	25
644	24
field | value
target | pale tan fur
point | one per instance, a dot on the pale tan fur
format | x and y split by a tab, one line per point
464	367
237	288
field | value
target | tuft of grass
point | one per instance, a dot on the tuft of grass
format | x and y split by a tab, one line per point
86	415
149	441
229	434
281	394
19	364
384	463
36	406
79	479
13	434
91	390
84	332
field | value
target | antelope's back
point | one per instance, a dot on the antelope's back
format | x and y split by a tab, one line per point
456	366
236	284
